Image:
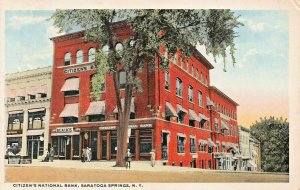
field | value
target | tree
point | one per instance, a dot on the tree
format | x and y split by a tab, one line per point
153	32
273	135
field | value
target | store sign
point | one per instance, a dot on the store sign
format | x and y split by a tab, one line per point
79	69
148	125
14	132
64	130
133	126
107	128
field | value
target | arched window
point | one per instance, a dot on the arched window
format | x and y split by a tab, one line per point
119	47
79	56
67	59
105	49
191	93
92	53
200	99
178	87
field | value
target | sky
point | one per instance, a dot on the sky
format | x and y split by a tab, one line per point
258	82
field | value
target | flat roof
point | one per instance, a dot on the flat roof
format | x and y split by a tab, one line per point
215	89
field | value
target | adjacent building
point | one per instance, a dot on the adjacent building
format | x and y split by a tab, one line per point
27	111
179	115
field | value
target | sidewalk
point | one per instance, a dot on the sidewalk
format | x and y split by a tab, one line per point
135	166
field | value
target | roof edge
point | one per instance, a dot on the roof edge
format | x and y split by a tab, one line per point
223	94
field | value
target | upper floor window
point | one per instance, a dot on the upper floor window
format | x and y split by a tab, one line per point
22	98
191	93
192	145
36	120
197	74
178	87
175	58
167	80
206	80
79	56
105	49
192	70
92	54
216	126
200	99
32	97
15	121
218	147
122	77
67	58
71	87
119	47
180	144
70	119
201	77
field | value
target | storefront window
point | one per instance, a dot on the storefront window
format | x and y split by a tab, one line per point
14	144
76	150
145	141
113	142
131	144
55	145
36	120
192	145
62	147
95	118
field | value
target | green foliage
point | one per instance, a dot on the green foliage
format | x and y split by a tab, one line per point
273	135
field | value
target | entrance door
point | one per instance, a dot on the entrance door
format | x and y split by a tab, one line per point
32	149
165	146
104	148
94	146
68	148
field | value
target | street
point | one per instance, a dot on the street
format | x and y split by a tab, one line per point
104	172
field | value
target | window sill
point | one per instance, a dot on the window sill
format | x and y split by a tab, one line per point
192	102
69	96
181	154
167	90
179	96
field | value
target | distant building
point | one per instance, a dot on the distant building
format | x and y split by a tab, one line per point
255	153
27	111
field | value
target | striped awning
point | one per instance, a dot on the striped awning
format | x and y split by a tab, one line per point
193	115
224	125
70	110
170	111
203	142
211	143
36	110
181	110
132	106
203	117
70	84
96	108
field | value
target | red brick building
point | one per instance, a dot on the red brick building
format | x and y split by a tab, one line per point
175	115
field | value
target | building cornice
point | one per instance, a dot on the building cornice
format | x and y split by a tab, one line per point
223	95
24	75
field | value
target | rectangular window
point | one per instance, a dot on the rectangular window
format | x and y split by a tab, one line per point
192	145
15	121
43	95
55	145
210	149
200	99
217	147
95	118
192	123
180	144
22	98
191	94
145	141
202	147
76	150
11	100
36	120
70	120
178	87
216	127
72	93
167	80
32	97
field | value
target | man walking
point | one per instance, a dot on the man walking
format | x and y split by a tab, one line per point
51	154
128	159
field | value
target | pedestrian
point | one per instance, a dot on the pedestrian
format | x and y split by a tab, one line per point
51	154
88	154
128	158
83	155
152	153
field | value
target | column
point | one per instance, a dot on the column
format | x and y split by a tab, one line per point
24	133
6	126
137	144
71	148
46	131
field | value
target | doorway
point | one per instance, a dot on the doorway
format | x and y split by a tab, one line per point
164	146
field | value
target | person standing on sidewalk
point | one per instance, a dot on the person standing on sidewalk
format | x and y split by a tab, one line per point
152	153
83	155
51	154
128	159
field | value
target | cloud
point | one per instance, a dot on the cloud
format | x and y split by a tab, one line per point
17	22
37	56
247	56
258	26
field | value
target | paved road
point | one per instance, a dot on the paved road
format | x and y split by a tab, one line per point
103	172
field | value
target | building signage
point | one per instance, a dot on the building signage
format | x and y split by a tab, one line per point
64	130
148	125
133	126
79	69
107	128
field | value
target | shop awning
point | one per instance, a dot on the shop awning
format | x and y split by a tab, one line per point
15	112
211	143
132	107
202	142
181	110
96	108
36	110
203	117
209	102
251	163
16	135
65	134
224	125
170	111
70	110
35	132
70	84
193	115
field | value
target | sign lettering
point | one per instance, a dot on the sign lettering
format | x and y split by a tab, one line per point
79	69
64	130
